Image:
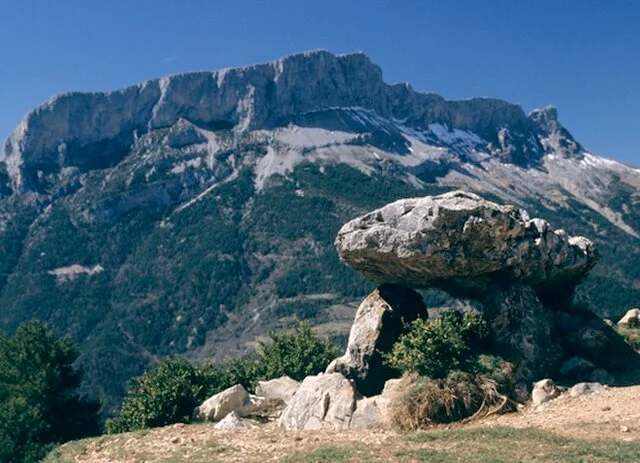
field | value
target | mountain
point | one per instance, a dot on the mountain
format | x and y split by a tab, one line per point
191	213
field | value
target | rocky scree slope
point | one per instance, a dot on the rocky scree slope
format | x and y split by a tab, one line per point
194	212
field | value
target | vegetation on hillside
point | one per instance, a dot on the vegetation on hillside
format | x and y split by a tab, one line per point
39	401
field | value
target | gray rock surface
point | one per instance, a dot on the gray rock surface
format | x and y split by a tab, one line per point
576	367
586	389
253	97
521	330
326	401
369	412
544	391
282	389
233	421
462	243
602	376
377	326
234	399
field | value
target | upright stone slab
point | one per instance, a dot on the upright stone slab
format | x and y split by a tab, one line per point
377	325
521	330
326	401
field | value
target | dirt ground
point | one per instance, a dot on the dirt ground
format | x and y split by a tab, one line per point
596	416
599	427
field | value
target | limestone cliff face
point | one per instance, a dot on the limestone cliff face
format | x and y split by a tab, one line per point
94	129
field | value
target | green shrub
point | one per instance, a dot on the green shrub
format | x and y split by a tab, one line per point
164	395
435	347
39	402
297	354
172	390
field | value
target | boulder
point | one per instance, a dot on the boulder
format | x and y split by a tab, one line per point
377	325
234	399
326	401
592	339
600	375
233	421
374	411
463	244
576	367
368	413
278	389
521	331
586	389
544	391
630	319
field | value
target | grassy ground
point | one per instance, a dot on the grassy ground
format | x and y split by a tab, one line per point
201	443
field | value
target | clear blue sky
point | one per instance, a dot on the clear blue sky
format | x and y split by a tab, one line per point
581	55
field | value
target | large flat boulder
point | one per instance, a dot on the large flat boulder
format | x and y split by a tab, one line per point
377	326
463	244
326	401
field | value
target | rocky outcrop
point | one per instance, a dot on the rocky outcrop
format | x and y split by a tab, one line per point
520	271
463	244
326	401
377	326
73	129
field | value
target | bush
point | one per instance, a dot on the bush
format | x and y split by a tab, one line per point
422	402
39	402
296	354
433	348
164	395
171	391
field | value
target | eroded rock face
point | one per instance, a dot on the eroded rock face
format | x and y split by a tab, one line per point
322	402
249	98
463	244
377	326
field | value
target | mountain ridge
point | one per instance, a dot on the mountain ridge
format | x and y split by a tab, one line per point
262	95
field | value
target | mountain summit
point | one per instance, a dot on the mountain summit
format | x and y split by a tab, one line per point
64	131
191	213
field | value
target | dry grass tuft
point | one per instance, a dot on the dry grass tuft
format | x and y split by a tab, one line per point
422	402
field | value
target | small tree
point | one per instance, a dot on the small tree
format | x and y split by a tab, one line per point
39	402
296	354
164	395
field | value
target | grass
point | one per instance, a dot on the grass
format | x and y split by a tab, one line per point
328	454
508	444
478	445
135	447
